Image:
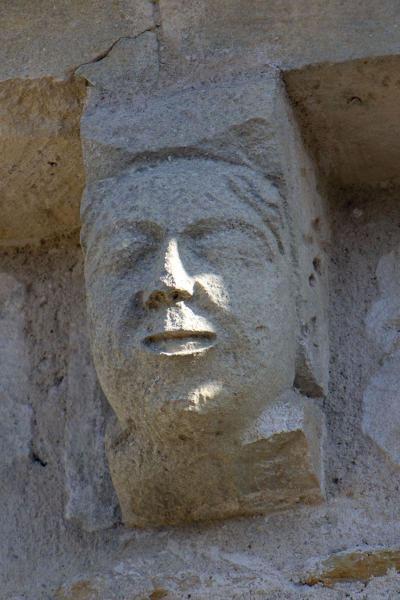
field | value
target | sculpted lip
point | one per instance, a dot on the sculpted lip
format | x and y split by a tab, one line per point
179	342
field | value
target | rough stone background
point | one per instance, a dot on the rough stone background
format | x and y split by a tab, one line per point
60	56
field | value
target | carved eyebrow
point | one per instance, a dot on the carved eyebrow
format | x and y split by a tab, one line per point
145	227
204	227
108	253
211	225
108	230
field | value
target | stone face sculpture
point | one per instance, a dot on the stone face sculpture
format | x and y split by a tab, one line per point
192	316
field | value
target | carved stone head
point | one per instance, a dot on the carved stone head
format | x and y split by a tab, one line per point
192	319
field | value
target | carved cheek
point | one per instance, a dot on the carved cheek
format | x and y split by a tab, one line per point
216	289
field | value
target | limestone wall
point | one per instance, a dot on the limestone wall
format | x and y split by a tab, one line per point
304	92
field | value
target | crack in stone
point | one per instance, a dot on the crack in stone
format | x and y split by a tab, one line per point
106	52
157	25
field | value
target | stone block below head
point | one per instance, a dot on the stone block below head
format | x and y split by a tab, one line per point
276	466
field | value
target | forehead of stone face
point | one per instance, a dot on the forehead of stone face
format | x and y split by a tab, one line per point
179	194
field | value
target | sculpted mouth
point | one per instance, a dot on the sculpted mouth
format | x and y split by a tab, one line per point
180	342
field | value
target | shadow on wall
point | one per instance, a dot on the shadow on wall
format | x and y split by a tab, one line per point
349	115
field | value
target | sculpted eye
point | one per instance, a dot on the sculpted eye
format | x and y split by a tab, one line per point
132	244
234	245
234	240
120	254
130	250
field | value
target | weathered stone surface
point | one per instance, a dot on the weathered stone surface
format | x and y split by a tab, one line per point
311	238
244	581
277	466
130	68
189	44
359	565
189	266
91	497
69	33
286	34
383	318
41	170
49	39
176	175
381	418
337	105
246	121
15	411
189	80
231	120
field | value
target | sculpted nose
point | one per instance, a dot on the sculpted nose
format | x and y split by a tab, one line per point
171	283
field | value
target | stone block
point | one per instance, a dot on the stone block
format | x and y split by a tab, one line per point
165	292
41	170
15	411
276	466
50	39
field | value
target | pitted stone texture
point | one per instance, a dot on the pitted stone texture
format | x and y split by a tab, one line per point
310	229
41	170
15	411
381	418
